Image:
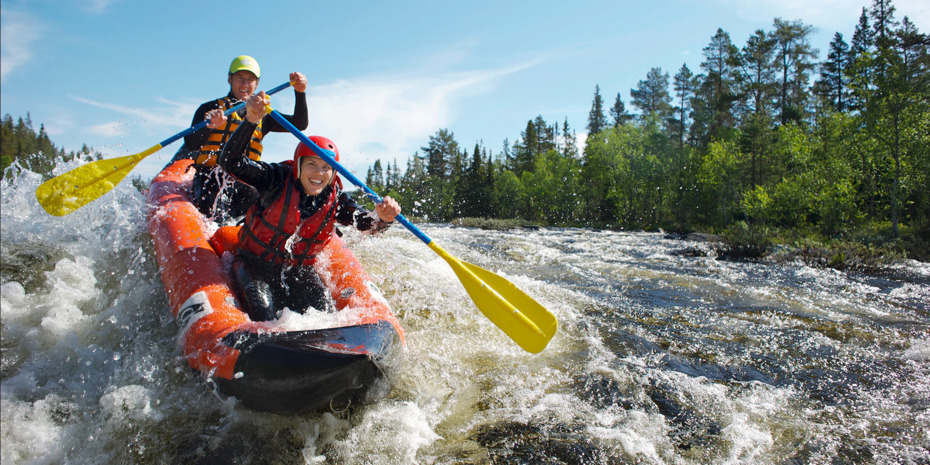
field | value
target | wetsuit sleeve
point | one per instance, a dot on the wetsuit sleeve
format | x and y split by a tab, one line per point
350	213
300	119
262	176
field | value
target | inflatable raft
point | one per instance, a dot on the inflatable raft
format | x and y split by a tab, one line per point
262	364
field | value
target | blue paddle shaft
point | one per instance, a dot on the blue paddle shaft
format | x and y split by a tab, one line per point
328	158
203	123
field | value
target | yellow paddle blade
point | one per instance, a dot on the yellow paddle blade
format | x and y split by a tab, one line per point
67	192
527	322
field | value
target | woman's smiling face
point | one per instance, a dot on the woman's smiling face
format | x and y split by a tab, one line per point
315	175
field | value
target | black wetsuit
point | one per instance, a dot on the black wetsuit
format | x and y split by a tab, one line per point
208	193
265	287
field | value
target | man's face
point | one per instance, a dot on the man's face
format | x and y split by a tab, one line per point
243	84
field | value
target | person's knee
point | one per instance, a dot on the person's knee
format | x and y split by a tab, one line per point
257	294
259	301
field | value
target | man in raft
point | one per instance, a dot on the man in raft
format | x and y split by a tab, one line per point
215	194
273	266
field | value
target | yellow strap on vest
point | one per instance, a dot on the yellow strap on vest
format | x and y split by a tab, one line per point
210	150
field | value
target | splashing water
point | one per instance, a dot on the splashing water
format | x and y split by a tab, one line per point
659	358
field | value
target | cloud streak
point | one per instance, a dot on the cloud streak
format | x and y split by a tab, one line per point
840	15
97	6
17	33
178	115
388	118
111	129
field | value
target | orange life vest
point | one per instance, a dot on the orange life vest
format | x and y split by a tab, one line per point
210	150
267	231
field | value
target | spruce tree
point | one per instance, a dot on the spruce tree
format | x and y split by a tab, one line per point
684	91
597	122
716	94
832	83
795	59
618	112
651	95
569	144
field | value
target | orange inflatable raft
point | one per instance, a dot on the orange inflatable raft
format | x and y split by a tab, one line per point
264	365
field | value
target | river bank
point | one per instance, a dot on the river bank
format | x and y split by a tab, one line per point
876	257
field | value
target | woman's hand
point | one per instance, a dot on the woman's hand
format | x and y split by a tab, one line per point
255	107
387	209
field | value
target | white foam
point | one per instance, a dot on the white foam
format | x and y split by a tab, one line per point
392	432
127	404
919	350
29	432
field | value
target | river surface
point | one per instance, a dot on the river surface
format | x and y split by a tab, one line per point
661	357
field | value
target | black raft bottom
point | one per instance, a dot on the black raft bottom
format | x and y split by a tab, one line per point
305	371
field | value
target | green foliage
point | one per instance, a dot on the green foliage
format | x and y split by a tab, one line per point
32	150
745	240
755	143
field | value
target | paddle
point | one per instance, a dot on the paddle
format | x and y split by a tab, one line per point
527	322
67	192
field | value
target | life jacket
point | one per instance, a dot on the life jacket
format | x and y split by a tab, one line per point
267	230
208	152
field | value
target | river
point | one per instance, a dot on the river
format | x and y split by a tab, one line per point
661	357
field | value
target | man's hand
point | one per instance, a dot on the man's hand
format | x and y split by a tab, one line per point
299	81
215	119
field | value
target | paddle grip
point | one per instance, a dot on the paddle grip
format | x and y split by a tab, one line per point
325	155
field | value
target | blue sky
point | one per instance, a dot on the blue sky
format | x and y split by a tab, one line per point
120	76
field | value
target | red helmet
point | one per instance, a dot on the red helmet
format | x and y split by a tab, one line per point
304	151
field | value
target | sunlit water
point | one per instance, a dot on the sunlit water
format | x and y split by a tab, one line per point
660	357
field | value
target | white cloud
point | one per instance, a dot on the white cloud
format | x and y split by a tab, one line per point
829	15
581	140
111	129
390	118
177	116
17	33
97	6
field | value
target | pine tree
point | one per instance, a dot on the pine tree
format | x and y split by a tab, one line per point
440	152
597	122
618	112
569	144
377	176
716	94
651	95
795	59
757	73
883	22
857	70
684	91
832	83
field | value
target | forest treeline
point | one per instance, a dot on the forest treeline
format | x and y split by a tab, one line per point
19	142
762	136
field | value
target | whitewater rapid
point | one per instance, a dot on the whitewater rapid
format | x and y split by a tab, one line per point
660	356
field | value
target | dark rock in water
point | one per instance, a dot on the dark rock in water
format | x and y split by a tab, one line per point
716	371
689	427
519	443
26	263
692	252
693	236
241	444
601	391
623	343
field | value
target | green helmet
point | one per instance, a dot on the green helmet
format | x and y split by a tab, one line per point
247	63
